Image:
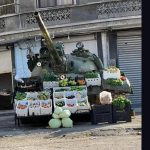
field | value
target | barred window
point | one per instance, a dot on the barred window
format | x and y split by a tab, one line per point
53	3
7	7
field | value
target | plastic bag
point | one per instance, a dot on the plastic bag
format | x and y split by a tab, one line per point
67	123
105	97
54	123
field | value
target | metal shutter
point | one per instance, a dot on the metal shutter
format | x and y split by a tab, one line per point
129	58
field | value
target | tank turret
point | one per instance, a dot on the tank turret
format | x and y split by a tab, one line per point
51	55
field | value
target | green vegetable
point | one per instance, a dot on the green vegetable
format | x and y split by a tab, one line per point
112	69
82	103
67	123
55	116
63	82
43	95
91	75
58	110
121	102
114	82
20	96
54	123
50	77
60	103
72	83
65	114
77	88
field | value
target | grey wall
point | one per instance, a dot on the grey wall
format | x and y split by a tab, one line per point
83	13
87	1
113	46
99	46
27	5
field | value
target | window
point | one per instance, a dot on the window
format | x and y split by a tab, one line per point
5	2
7	7
53	3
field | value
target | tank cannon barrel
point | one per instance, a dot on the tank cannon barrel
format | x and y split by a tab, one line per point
54	56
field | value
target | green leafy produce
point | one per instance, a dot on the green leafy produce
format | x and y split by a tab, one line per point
58	110
65	114
55	116
60	90
114	82
60	103
20	96
82	103
63	82
72	83
43	95
67	123
112	69
77	88
54	123
121	102
91	75
50	77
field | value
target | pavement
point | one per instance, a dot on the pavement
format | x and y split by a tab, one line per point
8	127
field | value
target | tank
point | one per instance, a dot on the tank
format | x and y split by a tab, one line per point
52	58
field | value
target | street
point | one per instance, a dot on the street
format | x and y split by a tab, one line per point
83	136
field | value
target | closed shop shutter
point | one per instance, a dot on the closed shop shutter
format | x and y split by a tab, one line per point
5	61
129	58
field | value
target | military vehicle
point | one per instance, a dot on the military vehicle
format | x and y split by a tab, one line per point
52	58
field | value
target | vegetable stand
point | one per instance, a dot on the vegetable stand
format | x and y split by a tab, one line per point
42	103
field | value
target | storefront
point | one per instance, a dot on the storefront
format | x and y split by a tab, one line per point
6	84
129	59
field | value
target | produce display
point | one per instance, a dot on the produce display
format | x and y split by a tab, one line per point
43	95
60	117
91	75
121	102
33	103
67	123
114	82
20	96
54	123
60	103
74	98
112	69
50	77
72	83
77	88
82	103
111	72
63	82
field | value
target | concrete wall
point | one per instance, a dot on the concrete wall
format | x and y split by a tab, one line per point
27	5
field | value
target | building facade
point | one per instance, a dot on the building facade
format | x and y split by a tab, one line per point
109	28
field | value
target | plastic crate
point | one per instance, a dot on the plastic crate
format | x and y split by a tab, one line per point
121	115
101	113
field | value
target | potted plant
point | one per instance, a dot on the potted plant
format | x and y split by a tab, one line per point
121	109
